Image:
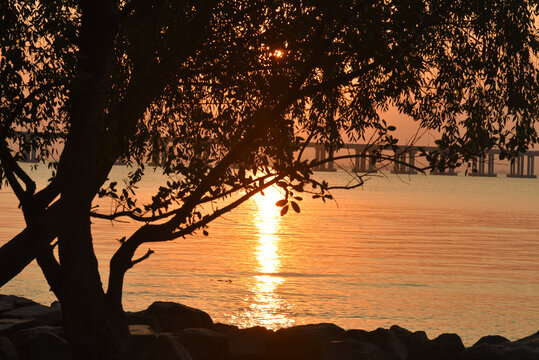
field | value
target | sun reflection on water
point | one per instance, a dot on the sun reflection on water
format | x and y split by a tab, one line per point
266	307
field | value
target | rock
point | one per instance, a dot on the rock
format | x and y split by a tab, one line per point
43	314
531	341
175	317
251	343
491	339
143	338
140	318
302	341
8	326
351	350
505	351
17	301
499	348
451	342
225	328
7	350
167	347
386	340
313	332
400	331
444	347
42	344
412	340
204	344
6	305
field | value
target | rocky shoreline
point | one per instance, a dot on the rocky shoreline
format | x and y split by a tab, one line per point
172	331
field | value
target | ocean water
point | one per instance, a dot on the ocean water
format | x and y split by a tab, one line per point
440	254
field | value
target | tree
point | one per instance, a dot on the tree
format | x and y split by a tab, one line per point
230	92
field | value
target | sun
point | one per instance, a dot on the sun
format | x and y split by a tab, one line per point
278	53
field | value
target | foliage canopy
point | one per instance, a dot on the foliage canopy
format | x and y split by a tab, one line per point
226	95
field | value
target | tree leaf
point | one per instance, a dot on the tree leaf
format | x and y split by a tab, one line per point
281	203
295	206
284	210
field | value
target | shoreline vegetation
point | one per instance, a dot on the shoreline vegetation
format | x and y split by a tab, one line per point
172	331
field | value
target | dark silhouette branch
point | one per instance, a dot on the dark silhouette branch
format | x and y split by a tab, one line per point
142	258
122	261
147	219
12	169
17	110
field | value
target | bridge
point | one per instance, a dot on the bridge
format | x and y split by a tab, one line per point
404	159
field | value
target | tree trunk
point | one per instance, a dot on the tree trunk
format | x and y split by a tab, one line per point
95	329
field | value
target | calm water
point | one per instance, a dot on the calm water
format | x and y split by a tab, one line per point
441	254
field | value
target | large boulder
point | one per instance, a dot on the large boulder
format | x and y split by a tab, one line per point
42	343
444	347
174	317
386	340
141	318
499	348
8	326
12	301
491	340
414	341
499	352
251	343
7	350
319	333
167	347
350	349
5	305
531	341
204	344
143	338
303	341
43	314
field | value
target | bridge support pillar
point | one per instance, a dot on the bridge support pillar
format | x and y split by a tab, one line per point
320	155
522	169
404	162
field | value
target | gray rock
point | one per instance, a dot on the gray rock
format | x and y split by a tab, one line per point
450	342
444	347
204	344
41	344
386	340
351	350
167	347
7	350
505	351
175	317
42	313
530	341
323	332
56	330
17	301
8	326
141	318
303	341
225	328
6	305
399	331
492	340
143	338
499	348
251	343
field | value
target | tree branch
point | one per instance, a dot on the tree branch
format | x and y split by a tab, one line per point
11	169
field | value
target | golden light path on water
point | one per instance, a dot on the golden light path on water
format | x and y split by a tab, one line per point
267	308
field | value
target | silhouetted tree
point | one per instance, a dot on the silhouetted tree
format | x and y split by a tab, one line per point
227	94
